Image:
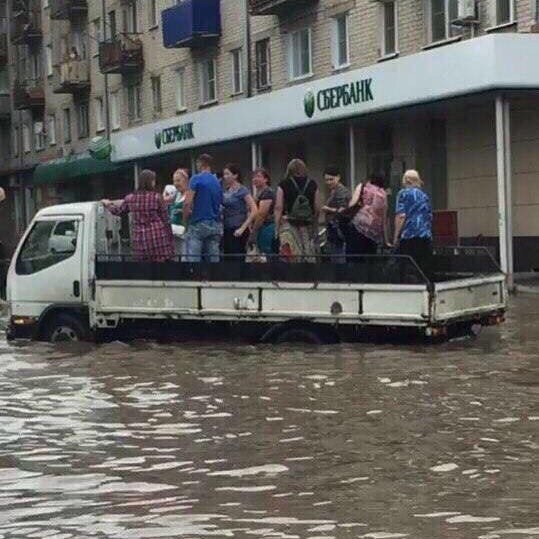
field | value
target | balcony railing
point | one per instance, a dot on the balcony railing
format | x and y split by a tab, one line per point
26	28
29	94
5	108
277	7
121	55
63	10
192	23
72	77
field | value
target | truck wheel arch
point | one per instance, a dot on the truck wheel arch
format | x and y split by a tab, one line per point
68	315
300	331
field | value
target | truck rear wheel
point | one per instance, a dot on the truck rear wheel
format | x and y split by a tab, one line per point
65	328
299	335
299	331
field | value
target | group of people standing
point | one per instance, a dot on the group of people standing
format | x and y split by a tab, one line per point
199	218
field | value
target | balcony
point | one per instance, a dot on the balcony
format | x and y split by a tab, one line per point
72	77
5	108
26	28
29	94
65	10
277	7
121	55
192	23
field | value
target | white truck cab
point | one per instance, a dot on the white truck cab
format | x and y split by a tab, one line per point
73	277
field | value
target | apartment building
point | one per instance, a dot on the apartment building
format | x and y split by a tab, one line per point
445	86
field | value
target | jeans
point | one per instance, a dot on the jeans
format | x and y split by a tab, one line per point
337	252
203	241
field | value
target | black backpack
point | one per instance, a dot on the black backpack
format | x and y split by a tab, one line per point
302	210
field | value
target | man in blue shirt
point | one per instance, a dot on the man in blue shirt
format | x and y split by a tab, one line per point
202	212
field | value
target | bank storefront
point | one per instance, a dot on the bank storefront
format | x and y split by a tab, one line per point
460	114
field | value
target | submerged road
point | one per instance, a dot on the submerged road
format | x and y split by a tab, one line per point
372	441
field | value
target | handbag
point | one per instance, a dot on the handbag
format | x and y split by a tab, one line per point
345	216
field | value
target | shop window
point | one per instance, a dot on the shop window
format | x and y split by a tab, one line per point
263	64
504	11
441	14
83	120
99	114
208	82
115	110
180	90
26	139
156	94
300	54
237	71
134	102
389	27
340	41
51	129
67	125
48	244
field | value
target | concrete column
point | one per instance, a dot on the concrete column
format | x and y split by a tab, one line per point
255	155
505	202
136	172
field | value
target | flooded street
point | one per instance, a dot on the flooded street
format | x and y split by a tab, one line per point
373	441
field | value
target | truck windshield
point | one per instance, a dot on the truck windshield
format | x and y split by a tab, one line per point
49	243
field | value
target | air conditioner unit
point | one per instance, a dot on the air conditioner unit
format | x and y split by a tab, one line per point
466	10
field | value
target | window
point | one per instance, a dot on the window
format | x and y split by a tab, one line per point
67	125
48	59
26	141
39	136
263	64
152	13
99	114
180	89
4	81
35	66
389	28
115	110
15	145
208	81
504	11
134	102
112	24
339	41
129	15
299	54
156	94
97	36
51	129
83	120
442	12
49	243
237	71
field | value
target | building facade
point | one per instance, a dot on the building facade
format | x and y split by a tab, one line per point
371	85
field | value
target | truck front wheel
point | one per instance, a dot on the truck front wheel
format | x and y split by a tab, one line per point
65	328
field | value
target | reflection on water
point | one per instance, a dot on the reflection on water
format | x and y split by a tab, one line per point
190	441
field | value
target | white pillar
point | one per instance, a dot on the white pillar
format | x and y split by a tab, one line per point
352	156
505	203
136	173
255	154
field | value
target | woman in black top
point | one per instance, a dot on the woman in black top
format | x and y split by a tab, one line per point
297	208
263	228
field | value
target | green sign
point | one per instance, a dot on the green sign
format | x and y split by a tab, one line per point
351	93
174	134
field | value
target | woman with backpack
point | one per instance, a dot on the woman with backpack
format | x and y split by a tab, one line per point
297	208
369	227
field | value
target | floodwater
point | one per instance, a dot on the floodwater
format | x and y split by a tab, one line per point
147	440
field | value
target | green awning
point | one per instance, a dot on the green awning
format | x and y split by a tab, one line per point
73	167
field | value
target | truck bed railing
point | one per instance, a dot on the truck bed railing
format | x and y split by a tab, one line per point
365	269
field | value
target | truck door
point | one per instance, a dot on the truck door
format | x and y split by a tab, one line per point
48	268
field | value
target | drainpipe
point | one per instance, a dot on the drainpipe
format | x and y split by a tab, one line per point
248	61
505	204
106	96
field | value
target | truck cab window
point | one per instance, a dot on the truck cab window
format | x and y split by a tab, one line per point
49	243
